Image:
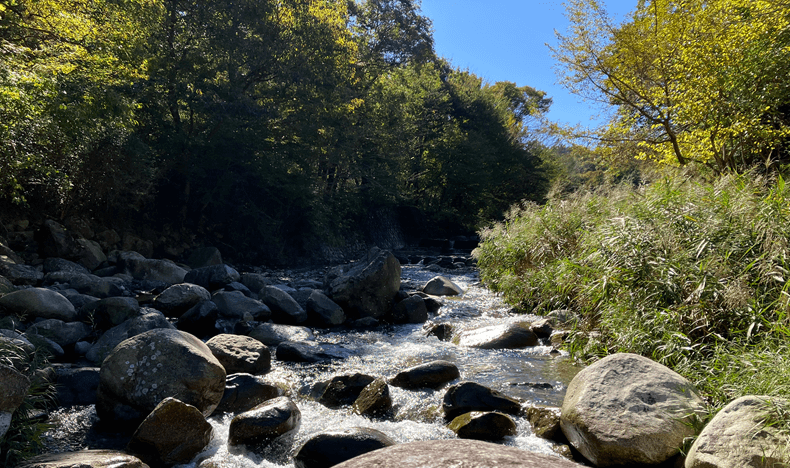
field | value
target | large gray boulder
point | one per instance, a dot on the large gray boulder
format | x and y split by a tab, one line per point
284	308
368	288
342	390
374	400
235	305
455	453
506	336
39	303
241	354
200	320
441	286
741	435
265	422
179	298
272	334
85	458
244	392
626	410
476	425
327	449
410	310
149	319
324	312
143	370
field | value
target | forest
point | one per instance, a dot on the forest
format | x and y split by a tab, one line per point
262	126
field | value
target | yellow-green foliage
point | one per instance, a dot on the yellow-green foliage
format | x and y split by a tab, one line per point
689	273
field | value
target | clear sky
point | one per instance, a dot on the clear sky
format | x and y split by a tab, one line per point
504	40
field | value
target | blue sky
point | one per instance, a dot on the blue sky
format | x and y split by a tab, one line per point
503	40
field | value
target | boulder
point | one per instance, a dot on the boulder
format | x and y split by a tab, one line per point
255	281
112	311
244	392
41	342
443	331
455	453
465	397
85	458
305	351
179	298
54	264
507	336
148	269
324	312
143	370
54	240
272	334
76	386
284	308
265	422
410	310
91	285
200	320
545	423
89	254
367	288
62	333
240	354
432	374
374	400
343	390
204	256
742	435
174	432
441	286
77	299
542	328
39	303
627	409
132	243
149	319
327	449
212	277
483	426
235	305
19	274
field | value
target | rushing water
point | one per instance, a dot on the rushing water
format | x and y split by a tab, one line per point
534	375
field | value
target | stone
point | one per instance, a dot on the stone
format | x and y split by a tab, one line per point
272	334
627	409
324	312
265	422
455	453
740	435
343	390
91	285
200	320
410	310
507	336
19	274
284	308
149	319
112	311
62	333
39	303
244	392
212	277
234	304
240	354
108	239
255	281
173	433
443	331
89	253
432	374
204	256
77	299
465	397
327	449
491	426
76	386
132	243
542	328
6	286
545	423
54	240
143	370
367	288
148	269
85	458
179	298
13	388
441	286
374	400
304	351
54	264
41	342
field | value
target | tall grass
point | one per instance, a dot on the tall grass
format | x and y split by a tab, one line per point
691	274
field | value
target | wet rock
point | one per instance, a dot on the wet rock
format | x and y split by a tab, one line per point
149	319
212	277
76	386
441	286
343	390
304	351
234	304
39	303
112	311
740	435
374	400
174	432
179	298
240	354
143	370
454	453
410	310
265	422
443	331
244	392
327	449
324	312
432	374
483	426
545	423
284	308
465	397
653	406
62	333
200	319
86	458
272	334
542	328
367	288
507	336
